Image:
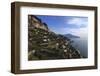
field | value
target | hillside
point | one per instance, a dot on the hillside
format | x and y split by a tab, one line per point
44	44
71	36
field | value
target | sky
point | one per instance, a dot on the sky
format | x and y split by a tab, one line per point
66	24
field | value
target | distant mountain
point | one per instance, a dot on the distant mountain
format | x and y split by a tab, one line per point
71	36
44	44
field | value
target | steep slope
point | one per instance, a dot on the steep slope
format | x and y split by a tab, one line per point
44	44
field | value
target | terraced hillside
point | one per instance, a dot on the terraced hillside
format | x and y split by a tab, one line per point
44	44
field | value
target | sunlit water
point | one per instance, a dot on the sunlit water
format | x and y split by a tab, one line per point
82	45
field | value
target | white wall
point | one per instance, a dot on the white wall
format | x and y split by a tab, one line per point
5	42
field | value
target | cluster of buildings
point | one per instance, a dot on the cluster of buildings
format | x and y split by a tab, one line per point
44	44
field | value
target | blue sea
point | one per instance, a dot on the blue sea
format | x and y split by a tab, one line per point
82	45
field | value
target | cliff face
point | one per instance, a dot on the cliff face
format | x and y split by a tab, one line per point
36	22
44	44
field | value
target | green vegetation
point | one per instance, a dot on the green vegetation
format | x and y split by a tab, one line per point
46	45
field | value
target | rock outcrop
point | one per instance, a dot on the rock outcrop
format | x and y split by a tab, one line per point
33	21
44	44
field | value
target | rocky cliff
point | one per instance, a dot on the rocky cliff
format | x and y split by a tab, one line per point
35	22
44	44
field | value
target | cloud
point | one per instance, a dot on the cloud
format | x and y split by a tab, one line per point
77	22
74	25
82	32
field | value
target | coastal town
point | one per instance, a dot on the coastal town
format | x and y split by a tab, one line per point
44	44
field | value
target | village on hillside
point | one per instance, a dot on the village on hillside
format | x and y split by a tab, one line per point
44	44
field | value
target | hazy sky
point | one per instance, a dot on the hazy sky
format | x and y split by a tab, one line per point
66	24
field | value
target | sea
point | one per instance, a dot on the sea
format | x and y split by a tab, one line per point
82	45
